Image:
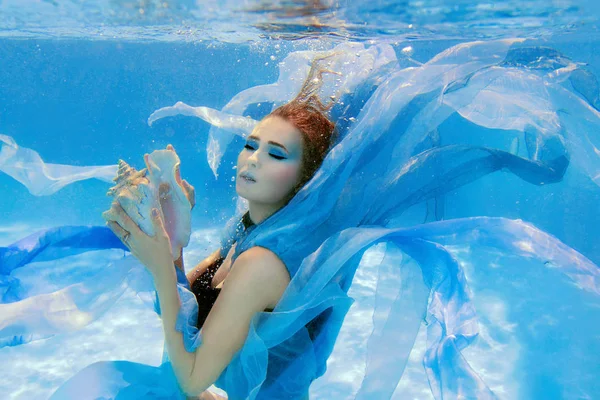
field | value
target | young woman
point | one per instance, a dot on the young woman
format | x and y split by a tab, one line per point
279	157
449	302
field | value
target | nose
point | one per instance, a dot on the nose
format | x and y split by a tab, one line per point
253	159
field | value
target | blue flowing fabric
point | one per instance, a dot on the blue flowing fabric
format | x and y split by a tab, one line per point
470	306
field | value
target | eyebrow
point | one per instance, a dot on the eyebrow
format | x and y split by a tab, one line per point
270	142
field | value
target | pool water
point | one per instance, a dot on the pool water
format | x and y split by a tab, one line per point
78	83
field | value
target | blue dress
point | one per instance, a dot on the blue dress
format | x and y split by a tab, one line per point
474	306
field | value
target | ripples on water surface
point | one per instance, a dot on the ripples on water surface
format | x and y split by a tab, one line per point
244	20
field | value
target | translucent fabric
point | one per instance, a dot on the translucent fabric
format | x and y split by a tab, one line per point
47	305
367	64
489	307
40	178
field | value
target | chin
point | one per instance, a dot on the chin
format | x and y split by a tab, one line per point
251	195
240	193
245	195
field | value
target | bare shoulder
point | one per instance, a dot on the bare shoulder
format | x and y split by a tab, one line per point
261	256
256	282
264	269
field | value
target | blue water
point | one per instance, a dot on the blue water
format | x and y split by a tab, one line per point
86	103
78	83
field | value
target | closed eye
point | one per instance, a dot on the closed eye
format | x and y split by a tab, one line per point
275	156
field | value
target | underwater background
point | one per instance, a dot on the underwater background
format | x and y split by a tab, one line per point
78	81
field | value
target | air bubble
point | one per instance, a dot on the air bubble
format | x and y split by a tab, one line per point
408	51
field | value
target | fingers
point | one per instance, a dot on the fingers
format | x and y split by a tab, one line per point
158	222
119	232
118	215
116	228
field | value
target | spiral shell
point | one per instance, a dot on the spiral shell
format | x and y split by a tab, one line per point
126	176
133	192
158	186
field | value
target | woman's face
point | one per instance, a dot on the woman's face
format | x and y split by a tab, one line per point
269	166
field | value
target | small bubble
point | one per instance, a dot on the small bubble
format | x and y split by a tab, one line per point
272	58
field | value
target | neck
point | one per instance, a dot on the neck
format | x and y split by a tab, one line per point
259	212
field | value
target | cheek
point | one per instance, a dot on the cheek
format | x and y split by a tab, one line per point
240	158
286	176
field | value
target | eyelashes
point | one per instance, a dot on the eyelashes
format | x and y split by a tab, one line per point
275	156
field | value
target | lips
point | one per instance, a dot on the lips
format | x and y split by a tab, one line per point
248	177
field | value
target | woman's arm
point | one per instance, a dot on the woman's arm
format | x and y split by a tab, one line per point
256	282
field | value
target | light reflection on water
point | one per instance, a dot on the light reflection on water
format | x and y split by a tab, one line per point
238	21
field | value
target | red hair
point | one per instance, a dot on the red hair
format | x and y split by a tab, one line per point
318	134
308	114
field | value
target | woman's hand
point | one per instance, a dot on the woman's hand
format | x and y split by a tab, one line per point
207	395
152	251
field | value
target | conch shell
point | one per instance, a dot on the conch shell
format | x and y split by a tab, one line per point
159	186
